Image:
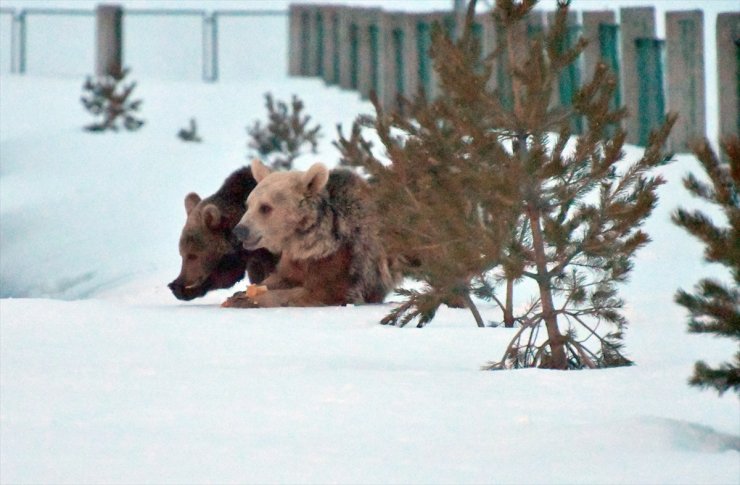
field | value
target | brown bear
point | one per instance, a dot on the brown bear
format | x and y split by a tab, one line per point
322	225
212	257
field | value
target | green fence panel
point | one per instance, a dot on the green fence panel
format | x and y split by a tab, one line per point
635	23
319	40
424	43
305	43
609	50
650	87
570	77
373	34
449	23
398	63
354	55
335	53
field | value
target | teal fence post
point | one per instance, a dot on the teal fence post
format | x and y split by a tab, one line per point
423	44
331	46
354	55
344	49
600	30
319	44
305	43
650	87
372	31
637	22
503	76
398	48
535	24
685	77
608	37
570	77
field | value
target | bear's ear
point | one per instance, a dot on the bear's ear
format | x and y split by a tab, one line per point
259	170
191	200
212	217
314	180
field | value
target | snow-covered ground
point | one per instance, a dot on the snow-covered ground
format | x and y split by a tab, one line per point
106	378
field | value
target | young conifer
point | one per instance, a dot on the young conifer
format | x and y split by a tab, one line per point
109	99
285	135
714	307
481	191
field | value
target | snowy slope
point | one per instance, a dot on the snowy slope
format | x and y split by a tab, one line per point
113	380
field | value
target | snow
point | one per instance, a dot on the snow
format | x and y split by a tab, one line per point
106	378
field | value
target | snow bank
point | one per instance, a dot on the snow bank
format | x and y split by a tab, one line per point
103	392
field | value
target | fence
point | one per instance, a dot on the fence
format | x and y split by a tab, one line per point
372	50
176	44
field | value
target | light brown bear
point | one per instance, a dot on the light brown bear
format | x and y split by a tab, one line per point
322	225
212	257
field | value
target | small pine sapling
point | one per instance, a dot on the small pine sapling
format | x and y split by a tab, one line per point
714	307
582	208
190	134
108	97
284	137
479	192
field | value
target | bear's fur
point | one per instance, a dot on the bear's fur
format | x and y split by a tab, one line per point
212	257
322	225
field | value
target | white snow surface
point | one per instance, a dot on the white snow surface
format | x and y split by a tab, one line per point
106	378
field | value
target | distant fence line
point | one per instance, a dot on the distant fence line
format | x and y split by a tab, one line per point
368	49
16	41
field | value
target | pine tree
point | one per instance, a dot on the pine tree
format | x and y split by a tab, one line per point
714	307
282	139
482	192
108	98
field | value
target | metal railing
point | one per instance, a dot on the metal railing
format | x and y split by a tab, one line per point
200	44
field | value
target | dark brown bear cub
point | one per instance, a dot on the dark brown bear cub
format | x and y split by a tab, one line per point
212	257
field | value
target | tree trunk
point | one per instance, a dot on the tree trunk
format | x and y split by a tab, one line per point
557	342
474	310
509	304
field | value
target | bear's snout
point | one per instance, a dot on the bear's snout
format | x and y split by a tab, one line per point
241	232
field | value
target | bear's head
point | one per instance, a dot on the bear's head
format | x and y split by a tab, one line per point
211	255
282	208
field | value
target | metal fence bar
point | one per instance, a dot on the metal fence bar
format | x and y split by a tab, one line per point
20	37
210	47
164	12
59	11
11	39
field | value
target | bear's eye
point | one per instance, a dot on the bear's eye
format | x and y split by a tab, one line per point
265	209
191	257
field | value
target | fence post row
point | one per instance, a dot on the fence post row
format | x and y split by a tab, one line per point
359	36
